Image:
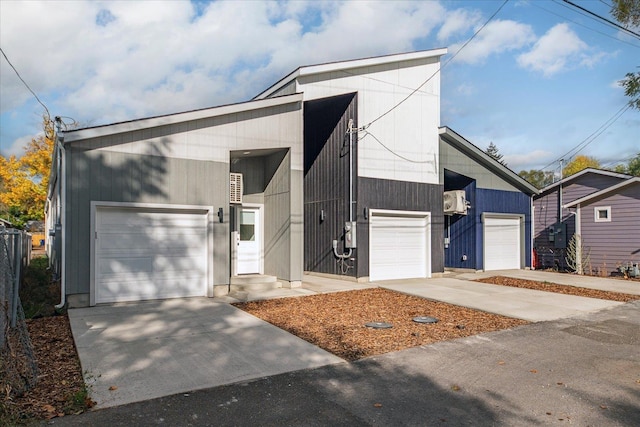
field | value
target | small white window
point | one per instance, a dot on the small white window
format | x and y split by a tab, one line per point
602	214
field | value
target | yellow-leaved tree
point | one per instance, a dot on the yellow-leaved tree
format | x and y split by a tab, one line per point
579	163
24	180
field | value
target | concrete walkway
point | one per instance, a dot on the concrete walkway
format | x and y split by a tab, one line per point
527	304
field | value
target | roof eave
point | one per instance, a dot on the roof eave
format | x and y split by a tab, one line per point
307	70
169	119
602	192
460	143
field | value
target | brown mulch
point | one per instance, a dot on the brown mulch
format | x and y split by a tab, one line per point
60	388
336	321
560	289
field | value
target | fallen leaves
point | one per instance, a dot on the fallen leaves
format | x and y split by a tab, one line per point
60	377
336	321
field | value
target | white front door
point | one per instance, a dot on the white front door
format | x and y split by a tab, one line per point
249	240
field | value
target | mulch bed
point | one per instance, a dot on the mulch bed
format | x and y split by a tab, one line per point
336	321
560	289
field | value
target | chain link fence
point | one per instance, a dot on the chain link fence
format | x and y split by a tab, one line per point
18	368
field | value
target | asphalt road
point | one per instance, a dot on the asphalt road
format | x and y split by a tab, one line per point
582	371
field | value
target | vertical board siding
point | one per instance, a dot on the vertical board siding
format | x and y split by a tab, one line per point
497	201
326	180
463	230
617	242
404	196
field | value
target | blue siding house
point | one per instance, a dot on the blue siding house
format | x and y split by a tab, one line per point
492	231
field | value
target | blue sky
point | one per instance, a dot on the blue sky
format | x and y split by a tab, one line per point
537	81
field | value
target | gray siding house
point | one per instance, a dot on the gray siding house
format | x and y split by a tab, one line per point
337	169
556	221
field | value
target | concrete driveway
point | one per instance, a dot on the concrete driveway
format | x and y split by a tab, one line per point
135	352
139	351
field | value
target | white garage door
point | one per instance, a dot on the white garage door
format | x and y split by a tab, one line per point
398	246
143	254
502	247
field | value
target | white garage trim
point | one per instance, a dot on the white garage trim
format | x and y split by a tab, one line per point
399	244
196	260
503	241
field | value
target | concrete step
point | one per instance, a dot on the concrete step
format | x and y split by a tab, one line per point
247	279
253	283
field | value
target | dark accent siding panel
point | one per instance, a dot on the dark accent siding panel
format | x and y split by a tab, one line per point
463	232
496	201
326	180
617	242
400	195
122	177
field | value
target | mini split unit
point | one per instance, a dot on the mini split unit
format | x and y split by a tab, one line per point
455	202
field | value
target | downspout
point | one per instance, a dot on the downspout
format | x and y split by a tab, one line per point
560	193
59	222
531	231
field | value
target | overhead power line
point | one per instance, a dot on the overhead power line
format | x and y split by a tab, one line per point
25	83
584	26
603	19
588	140
438	70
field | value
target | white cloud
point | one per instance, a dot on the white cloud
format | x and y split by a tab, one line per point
558	50
458	21
497	37
518	162
107	61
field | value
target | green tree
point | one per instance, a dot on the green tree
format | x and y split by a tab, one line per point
631	168
492	150
537	178
579	163
634	166
627	12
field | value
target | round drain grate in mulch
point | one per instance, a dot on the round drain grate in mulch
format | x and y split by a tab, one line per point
425	319
378	325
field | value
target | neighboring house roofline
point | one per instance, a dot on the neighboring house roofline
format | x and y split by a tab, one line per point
307	70
169	119
459	142
603	192
583	172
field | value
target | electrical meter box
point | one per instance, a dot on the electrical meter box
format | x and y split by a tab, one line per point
560	235
350	234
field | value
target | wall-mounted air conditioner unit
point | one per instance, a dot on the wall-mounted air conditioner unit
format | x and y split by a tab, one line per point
235	188
455	202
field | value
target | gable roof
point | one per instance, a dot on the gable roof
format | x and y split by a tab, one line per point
457	141
584	172
347	65
597	194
